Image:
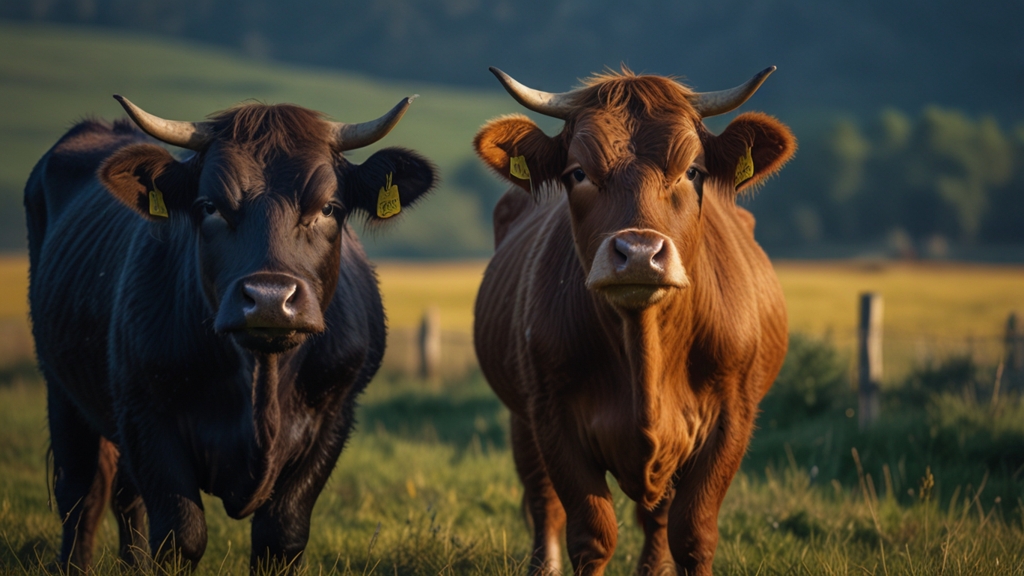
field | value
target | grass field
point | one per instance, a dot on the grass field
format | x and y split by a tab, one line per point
427	487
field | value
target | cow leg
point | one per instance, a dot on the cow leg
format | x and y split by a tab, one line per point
162	472
703	482
655	558
83	471
540	500
591	531
280	528
130	512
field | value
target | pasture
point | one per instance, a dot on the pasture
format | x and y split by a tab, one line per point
427	486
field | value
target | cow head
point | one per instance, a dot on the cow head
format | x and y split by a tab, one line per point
267	193
638	166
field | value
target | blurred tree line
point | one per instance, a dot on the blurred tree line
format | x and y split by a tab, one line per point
913	183
834	54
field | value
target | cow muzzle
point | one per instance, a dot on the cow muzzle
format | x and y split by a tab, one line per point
636	268
269	312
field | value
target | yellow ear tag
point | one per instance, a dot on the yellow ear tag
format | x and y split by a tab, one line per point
517	167
156	203
388	203
744	168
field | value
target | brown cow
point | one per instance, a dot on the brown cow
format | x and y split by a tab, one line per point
631	324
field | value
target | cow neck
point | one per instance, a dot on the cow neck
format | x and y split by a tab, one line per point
266	413
667	409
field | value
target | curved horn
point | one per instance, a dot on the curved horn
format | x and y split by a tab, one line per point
546	103
352	136
191	135
715	103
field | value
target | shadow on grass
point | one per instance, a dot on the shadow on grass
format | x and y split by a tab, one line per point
460	413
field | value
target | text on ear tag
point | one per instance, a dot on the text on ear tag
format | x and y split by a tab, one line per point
388	203
517	167
156	204
745	168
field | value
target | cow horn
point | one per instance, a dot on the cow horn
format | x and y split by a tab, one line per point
191	135
715	103
546	103
352	136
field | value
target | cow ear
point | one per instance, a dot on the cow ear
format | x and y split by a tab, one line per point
391	179
147	179
753	147
519	151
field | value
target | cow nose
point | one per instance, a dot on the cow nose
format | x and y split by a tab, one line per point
636	268
276	297
269	302
639	251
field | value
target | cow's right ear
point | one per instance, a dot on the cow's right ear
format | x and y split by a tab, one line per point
516	149
147	179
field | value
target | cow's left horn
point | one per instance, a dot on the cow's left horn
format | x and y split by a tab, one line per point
191	135
352	136
556	105
715	103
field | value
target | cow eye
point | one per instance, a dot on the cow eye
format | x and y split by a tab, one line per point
579	175
204	207
327	210
696	175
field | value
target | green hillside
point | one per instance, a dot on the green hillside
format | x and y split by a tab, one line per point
52	76
933	182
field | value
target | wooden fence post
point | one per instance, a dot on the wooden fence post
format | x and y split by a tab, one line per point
429	344
869	358
1013	360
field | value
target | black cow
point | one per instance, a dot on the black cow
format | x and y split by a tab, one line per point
206	324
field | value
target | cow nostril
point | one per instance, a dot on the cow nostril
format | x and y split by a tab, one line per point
293	296
248	296
620	252
660	253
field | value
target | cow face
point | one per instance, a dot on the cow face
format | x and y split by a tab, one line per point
268	194
638	166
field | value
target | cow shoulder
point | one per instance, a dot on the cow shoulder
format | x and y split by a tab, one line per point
740	295
510	207
352	346
70	165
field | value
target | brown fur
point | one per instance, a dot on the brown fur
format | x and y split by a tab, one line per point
663	397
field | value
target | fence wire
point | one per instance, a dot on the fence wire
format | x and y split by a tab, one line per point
902	352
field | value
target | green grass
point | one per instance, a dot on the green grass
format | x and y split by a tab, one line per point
51	76
427	486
